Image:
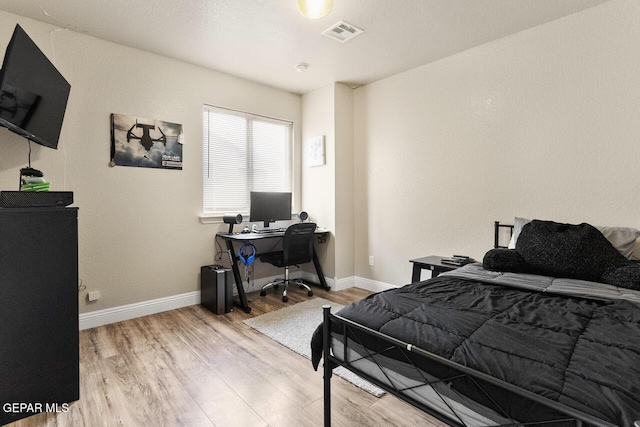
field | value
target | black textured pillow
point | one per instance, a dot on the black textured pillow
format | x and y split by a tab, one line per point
627	276
565	250
503	260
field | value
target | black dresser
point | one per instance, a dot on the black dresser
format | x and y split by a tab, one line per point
39	357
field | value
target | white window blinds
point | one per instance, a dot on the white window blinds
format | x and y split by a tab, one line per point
242	153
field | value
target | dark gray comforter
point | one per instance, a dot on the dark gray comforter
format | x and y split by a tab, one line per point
583	352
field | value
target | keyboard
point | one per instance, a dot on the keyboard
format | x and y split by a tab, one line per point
271	230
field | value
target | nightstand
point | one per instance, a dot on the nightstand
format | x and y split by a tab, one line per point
429	263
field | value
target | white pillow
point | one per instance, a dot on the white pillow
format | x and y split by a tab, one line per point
635	254
622	238
518	223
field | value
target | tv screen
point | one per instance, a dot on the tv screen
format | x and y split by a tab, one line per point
269	207
33	94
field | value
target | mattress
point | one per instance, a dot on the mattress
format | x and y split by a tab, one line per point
573	342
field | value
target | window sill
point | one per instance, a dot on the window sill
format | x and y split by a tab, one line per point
217	219
210	219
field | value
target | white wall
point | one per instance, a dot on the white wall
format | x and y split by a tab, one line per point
139	232
318	182
344	182
328	189
542	124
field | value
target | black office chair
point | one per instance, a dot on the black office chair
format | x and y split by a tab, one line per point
297	248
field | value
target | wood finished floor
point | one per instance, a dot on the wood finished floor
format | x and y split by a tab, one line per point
190	367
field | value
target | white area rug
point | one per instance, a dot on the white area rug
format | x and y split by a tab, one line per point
293	327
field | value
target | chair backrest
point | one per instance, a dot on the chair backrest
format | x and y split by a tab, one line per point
297	244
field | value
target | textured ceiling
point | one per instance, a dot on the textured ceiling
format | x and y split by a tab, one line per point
263	40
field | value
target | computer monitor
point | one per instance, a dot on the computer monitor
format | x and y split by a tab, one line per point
269	206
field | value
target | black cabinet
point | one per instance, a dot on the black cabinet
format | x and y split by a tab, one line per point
39	358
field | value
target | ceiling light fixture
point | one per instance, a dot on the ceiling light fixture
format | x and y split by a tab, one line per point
314	9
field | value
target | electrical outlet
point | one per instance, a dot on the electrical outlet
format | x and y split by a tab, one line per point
372	261
93	295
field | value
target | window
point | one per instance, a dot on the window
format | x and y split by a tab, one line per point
242	153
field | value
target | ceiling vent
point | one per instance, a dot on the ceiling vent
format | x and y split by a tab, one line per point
342	32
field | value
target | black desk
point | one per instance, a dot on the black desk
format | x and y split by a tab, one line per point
230	238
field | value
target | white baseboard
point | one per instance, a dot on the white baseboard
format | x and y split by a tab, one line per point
97	318
313	278
344	283
372	285
257	284
131	311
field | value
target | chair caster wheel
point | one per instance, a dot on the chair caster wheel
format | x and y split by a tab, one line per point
310	293
263	293
285	299
276	286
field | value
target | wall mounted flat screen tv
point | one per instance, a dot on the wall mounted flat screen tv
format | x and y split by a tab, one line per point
33	94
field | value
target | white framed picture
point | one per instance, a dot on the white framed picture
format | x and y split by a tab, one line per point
315	147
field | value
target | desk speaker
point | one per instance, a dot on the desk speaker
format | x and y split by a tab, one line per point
232	219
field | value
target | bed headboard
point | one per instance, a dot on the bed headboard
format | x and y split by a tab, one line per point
498	231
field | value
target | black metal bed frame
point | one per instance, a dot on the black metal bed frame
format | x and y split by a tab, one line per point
350	331
497	228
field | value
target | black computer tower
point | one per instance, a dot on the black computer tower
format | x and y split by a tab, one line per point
216	292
